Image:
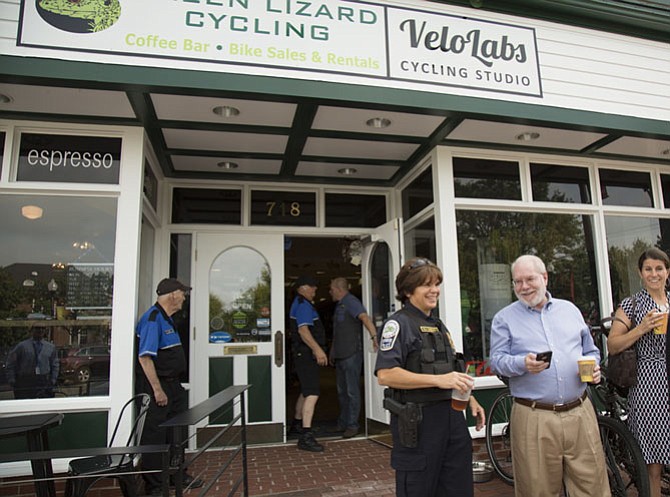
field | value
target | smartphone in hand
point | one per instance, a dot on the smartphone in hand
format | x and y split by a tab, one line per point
544	357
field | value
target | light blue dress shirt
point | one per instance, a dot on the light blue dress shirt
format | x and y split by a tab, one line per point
559	326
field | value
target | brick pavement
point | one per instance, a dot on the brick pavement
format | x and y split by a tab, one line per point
353	468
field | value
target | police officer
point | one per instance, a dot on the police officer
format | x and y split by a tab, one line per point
162	361
308	340
432	448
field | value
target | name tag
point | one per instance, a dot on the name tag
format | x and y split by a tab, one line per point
429	329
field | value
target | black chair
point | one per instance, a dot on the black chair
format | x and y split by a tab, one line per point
86	471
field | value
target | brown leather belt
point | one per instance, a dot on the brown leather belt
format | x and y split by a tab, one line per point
551	407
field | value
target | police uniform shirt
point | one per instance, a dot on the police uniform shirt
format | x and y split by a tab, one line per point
303	313
159	339
401	335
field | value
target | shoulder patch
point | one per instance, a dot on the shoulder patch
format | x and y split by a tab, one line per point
389	335
153	315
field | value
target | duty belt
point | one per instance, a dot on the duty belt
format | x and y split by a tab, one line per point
551	407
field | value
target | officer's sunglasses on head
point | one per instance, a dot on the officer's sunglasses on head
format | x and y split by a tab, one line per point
420	263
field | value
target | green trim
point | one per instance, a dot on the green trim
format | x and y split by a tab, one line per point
69	434
220	378
259	374
131	78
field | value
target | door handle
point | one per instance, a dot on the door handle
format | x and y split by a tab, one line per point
279	349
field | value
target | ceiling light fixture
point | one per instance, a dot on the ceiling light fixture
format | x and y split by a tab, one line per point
228	165
528	136
31	212
226	111
347	171
378	122
5	99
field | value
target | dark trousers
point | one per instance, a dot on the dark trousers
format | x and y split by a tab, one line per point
153	434
441	466
33	386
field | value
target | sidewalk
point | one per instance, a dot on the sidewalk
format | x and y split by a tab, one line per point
355	467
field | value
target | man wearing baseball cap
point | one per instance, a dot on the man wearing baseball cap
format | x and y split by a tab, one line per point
308	340
162	361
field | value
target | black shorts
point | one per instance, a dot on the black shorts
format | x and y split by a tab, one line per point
307	370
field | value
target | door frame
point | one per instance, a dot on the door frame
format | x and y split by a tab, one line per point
207	246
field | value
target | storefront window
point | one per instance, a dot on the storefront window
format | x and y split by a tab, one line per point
625	188
552	183
489	241
420	240
239	297
56	286
206	206
627	238
346	210
665	184
485	178
418	194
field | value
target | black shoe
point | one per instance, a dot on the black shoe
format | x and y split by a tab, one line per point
334	429
295	429
153	492
188	481
350	433
309	443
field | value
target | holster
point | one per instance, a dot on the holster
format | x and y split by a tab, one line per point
409	416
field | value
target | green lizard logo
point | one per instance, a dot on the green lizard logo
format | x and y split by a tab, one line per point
80	16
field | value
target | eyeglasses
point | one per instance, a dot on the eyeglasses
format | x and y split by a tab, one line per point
419	263
531	280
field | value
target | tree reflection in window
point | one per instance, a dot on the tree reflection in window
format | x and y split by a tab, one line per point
489	241
239	297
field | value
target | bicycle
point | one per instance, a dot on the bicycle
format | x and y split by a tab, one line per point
626	468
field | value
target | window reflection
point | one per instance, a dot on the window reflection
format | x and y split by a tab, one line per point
552	183
239	297
625	188
483	178
56	285
488	242
418	194
627	238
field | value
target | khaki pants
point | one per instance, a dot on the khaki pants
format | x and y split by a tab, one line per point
550	448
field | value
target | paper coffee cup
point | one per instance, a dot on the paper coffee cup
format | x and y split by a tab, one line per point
587	366
662	328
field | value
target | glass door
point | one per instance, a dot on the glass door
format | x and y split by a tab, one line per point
238	300
382	258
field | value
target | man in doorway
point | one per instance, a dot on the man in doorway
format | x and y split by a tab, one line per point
308	340
558	443
346	353
32	367
162	361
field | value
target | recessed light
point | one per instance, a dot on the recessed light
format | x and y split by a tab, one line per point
528	136
31	212
226	111
347	171
5	99
378	122
228	165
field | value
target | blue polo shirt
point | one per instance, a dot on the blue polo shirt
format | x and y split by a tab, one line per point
159	339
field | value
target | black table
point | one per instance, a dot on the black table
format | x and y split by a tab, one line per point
35	427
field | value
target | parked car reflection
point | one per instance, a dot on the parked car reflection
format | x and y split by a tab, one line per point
84	364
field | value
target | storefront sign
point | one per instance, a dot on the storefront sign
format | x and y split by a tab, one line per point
360	39
69	159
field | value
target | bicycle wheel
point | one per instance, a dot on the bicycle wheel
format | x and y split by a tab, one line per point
498	442
626	468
